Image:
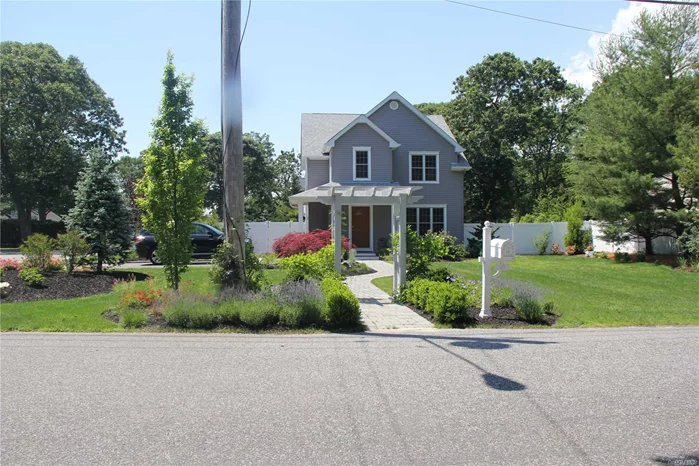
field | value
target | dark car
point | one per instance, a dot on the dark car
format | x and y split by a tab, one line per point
205	240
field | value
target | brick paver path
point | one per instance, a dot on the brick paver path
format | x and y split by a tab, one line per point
378	311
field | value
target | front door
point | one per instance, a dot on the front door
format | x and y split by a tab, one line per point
361	226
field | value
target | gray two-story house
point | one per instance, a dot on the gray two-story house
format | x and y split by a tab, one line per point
390	162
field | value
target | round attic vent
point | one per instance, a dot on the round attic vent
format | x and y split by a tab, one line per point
393	105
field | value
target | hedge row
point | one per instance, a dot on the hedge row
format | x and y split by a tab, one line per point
9	231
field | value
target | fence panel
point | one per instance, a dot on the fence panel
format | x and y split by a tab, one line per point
264	234
523	234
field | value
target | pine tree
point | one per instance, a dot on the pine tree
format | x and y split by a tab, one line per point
173	186
101	215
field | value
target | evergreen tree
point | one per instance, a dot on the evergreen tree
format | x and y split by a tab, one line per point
173	186
101	215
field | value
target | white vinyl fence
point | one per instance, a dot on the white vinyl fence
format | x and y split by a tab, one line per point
264	234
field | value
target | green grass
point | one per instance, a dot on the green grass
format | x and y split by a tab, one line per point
85	314
600	293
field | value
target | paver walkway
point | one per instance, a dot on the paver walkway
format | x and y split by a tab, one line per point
378	311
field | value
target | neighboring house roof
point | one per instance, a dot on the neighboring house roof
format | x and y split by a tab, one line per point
317	129
361	119
50	216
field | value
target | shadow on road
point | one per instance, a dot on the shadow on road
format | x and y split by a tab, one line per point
688	460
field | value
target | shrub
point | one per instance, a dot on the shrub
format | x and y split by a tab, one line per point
541	241
269	260
689	239
32	276
599	255
310	266
304	243
190	312
622	257
341	306
417	292
502	294
556	249
259	312
439	274
474	248
527	303
301	303
641	256
129	318
73	248
570	250
421	252
448	302
9	230
450	249
384	248
575	236
229	313
10	264
37	251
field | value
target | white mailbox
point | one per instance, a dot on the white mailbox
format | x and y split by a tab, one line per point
503	249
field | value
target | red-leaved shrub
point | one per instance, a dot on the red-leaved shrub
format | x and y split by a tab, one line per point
301	243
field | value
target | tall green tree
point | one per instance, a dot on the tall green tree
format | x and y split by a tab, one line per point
52	114
644	105
515	119
129	171
267	178
101	215
173	185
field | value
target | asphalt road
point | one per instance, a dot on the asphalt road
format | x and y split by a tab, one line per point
616	396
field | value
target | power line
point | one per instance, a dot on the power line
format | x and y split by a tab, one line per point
242	36
666	2
554	23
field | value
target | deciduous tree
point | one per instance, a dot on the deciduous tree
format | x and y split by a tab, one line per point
173	186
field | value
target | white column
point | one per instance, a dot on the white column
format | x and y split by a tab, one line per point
337	232
301	222
394	230
402	278
485	277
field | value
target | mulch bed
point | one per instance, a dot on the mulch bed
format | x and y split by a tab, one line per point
356	270
60	285
503	317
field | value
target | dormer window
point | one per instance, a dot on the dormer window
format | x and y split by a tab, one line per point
362	163
424	167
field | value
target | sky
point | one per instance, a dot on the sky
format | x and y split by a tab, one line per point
310	56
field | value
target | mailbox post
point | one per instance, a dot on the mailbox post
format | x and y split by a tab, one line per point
496	251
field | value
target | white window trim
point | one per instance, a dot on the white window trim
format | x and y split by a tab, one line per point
423	153
354	162
429	206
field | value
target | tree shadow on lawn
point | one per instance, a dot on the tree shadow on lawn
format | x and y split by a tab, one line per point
494	381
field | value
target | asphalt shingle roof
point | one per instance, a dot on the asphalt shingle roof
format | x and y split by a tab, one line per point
318	128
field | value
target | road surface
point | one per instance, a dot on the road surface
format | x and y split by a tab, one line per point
597	396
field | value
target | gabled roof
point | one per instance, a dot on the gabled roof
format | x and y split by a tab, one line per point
361	119
317	128
432	124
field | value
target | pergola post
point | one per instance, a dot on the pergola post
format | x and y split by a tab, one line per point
402	217
300	218
394	230
336	213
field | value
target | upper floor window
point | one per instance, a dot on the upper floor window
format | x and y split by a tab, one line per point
424	167
361	163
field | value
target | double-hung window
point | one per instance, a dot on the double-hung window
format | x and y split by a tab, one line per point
361	163
424	219
424	167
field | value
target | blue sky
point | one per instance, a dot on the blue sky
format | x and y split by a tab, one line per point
302	56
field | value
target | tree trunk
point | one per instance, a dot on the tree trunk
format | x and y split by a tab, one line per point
232	132
24	218
649	245
41	209
99	263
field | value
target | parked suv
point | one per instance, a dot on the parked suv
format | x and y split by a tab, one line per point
205	240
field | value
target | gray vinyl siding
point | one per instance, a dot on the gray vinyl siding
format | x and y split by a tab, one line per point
342	157
317	173
413	134
382	223
318	216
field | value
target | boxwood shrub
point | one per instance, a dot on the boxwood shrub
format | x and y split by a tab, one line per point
447	302
341	305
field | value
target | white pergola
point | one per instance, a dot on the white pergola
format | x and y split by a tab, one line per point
336	196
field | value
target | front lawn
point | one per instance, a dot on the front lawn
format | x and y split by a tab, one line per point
597	292
85	314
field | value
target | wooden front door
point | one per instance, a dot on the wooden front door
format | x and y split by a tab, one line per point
361	226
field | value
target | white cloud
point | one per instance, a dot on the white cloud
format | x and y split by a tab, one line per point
578	69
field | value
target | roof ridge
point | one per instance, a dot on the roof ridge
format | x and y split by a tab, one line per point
328	113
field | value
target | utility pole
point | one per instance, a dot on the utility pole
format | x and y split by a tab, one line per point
232	131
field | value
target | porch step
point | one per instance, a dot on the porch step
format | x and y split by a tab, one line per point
364	256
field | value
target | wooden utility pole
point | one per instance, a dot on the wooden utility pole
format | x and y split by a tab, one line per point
232	130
